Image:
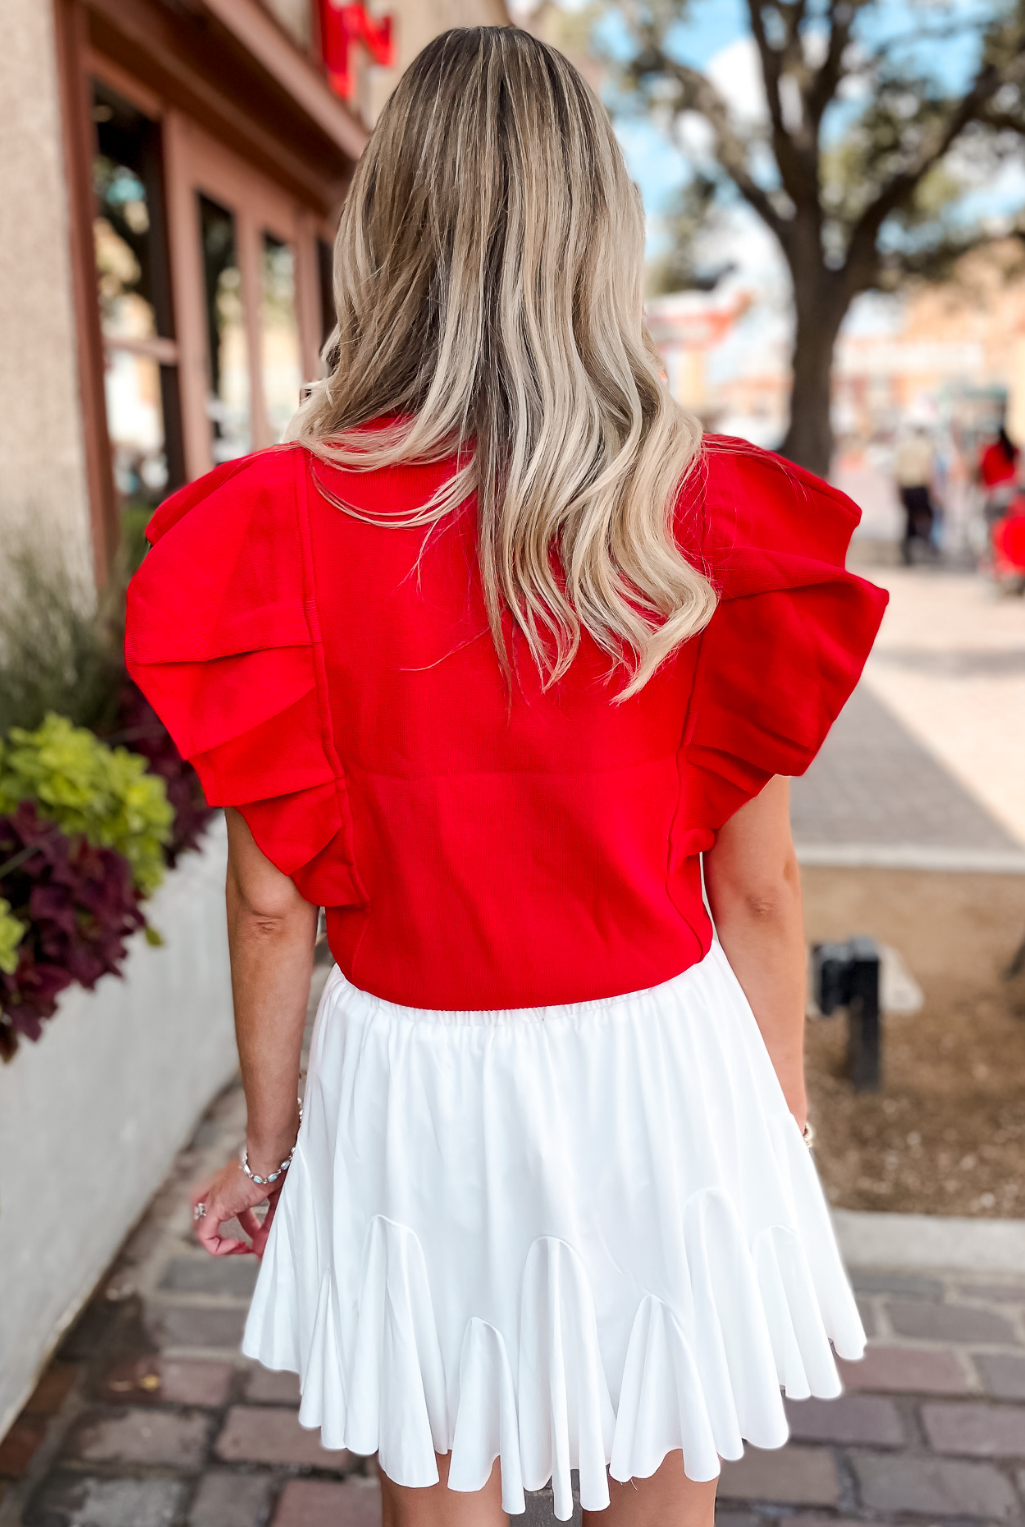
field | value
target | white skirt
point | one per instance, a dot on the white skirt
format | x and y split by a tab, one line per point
572	1237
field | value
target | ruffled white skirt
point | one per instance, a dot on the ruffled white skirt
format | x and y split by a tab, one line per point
572	1237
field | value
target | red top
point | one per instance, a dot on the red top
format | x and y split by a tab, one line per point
995	466
472	851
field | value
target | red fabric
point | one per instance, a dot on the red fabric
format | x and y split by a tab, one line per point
475	850
995	466
1009	542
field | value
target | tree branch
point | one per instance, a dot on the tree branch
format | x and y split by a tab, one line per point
900	187
797	162
698	94
826	79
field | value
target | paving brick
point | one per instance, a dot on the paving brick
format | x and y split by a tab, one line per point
142	1436
167	1380
190	1325
272	1435
931	1321
866	1309
232	1277
264	1387
540	1511
906	1370
92	1331
986	1431
903	1285
805	1521
866	1418
18	1447
792	1476
323	1503
994	1293
71	1501
226	1499
1003	1374
934	1486
52	1390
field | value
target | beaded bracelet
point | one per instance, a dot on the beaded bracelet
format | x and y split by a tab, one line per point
264	1182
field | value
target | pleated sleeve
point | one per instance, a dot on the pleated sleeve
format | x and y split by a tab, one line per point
222	638
791	633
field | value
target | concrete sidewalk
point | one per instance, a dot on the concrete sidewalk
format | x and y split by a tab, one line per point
925	767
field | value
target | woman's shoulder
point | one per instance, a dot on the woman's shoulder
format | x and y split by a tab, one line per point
760	519
236	487
226	568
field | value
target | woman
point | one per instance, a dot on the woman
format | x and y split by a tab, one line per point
483	664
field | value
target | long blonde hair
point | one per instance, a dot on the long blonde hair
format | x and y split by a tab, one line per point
488	286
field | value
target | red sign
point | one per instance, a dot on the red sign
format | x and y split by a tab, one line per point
342	27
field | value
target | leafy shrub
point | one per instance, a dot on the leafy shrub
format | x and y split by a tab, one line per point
11	934
139	728
60	646
87	787
78	906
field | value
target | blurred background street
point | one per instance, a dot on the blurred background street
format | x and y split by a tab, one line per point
835	200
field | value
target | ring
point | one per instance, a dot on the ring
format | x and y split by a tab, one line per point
199	1212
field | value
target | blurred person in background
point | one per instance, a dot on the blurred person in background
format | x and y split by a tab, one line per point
914	466
484	663
998	475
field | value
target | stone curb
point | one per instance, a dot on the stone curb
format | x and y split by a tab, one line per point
911	856
930	1242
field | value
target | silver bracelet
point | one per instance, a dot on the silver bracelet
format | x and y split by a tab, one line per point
263	1182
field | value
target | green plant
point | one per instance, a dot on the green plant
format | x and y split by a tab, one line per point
87	787
60	644
11	934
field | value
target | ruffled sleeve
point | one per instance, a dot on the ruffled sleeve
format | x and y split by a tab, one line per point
790	636
221	637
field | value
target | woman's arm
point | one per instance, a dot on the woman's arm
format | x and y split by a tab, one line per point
754	892
271	933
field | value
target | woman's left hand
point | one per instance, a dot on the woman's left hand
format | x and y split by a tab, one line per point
230	1194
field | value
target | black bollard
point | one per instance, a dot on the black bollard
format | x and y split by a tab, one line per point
847	975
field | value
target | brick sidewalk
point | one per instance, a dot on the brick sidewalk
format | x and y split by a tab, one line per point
149	1417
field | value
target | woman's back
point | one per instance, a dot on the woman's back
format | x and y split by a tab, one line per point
482	844
549	1208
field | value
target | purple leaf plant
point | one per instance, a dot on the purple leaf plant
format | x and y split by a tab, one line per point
80	906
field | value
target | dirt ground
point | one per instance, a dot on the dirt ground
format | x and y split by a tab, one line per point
946	1132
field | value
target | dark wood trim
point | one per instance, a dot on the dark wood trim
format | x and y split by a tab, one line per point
77	136
276	52
199	66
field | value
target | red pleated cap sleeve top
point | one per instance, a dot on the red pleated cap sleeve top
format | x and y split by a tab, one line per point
336	682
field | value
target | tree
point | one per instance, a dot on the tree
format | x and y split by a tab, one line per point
863	164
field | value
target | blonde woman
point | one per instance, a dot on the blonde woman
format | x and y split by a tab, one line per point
487	663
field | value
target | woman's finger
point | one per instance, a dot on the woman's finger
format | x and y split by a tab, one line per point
199	1191
249	1222
260	1238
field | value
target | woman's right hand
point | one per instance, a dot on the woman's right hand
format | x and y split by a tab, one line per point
230	1194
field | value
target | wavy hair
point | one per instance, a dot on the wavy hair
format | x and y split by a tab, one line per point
488	286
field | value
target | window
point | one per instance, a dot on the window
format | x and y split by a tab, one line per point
280	351
141	370
228	399
326	277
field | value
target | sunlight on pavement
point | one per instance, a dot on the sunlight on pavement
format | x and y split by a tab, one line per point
950	662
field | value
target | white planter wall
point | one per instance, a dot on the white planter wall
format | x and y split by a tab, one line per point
91	1117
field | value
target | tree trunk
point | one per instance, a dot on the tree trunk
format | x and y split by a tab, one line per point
820	307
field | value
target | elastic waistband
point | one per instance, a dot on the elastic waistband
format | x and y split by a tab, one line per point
339	989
